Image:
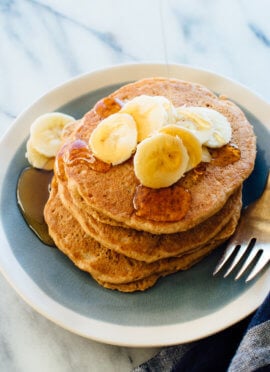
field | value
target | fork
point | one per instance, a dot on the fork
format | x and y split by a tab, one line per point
251	240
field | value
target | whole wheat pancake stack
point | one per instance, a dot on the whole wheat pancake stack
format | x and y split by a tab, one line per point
93	214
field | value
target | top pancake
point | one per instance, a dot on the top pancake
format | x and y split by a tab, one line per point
111	193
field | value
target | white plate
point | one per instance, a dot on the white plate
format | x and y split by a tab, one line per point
180	308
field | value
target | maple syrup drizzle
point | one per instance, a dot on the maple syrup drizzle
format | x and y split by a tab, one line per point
166	204
78	152
225	155
32	195
108	106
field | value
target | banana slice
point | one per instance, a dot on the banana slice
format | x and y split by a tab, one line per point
114	139
45	132
190	141
222	131
206	156
36	159
190	118
210	126
160	160
150	113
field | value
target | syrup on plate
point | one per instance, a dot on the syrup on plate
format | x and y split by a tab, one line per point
32	195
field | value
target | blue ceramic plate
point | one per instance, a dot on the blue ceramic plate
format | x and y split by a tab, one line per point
179	308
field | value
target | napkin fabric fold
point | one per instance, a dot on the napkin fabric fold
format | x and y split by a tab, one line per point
243	347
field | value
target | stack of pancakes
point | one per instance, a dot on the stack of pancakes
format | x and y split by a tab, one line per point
90	212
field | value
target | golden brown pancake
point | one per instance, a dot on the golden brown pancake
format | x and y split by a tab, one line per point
144	246
91	215
111	193
111	269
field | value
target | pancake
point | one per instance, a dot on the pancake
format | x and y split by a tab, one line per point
109	268
91	213
144	246
190	260
111	193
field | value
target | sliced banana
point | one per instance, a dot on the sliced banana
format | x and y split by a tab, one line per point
190	141
160	160
36	159
46	130
150	113
114	139
210	126
222	131
206	156
192	120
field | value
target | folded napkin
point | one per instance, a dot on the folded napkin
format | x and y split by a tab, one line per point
242	347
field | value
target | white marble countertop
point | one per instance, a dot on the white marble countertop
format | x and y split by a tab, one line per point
44	43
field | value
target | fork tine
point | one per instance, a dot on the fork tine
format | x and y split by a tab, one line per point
227	254
254	252
262	262
242	250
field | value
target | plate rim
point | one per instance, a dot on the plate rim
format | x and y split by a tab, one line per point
101	331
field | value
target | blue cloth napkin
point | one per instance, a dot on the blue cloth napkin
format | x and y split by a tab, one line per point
242	347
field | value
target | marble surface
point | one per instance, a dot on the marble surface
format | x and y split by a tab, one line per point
44	43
